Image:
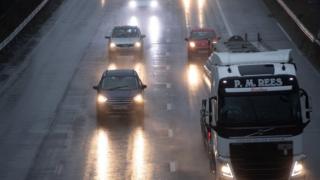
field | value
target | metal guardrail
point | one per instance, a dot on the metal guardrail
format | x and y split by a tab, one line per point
299	23
7	40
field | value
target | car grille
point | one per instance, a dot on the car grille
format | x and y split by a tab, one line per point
261	161
120	100
124	45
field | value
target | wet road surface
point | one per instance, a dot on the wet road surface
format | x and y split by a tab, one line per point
48	124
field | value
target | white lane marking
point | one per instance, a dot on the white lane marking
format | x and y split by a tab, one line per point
26	21
284	32
224	19
168	85
170	133
288	37
59	168
172	166
169	106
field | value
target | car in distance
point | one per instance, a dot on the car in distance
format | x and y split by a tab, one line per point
133	4
126	40
201	40
120	91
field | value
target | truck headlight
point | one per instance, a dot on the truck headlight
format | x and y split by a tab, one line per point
137	44
112	45
101	99
138	99
297	169
192	44
226	170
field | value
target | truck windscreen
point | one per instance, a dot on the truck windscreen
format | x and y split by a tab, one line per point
259	101
260	109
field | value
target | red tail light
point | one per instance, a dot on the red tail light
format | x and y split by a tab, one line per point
209	135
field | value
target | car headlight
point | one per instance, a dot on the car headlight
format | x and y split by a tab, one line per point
297	169
137	44
138	98
101	99
226	170
112	45
132	4
154	4
192	44
214	42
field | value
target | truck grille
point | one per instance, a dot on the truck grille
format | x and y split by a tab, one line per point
261	161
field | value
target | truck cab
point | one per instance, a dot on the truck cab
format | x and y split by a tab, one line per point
252	125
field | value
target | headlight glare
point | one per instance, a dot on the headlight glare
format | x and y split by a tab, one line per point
101	99
112	45
226	170
137	44
297	169
192	44
154	4
132	4
138	98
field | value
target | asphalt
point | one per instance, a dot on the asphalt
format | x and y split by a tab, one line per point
48	126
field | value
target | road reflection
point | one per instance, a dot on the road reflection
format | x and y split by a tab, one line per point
103	3
103	155
154	28
201	4
139	165
194	77
133	21
186	7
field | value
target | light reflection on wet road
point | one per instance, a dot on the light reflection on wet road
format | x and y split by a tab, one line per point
61	137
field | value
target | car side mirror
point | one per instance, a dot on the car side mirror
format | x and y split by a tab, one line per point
144	86
95	87
186	39
143	36
107	37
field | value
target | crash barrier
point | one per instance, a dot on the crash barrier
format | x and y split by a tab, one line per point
8	39
309	35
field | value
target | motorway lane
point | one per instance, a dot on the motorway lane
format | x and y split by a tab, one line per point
252	16
49	126
166	144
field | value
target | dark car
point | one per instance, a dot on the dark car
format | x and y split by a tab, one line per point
126	40
120	91
201	41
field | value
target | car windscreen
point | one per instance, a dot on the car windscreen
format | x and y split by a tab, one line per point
260	109
202	35
119	83
124	32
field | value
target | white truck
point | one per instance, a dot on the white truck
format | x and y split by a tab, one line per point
253	123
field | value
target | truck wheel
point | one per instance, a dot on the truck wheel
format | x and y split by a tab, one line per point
213	167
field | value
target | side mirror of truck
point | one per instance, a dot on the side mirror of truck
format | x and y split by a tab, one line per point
307	105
